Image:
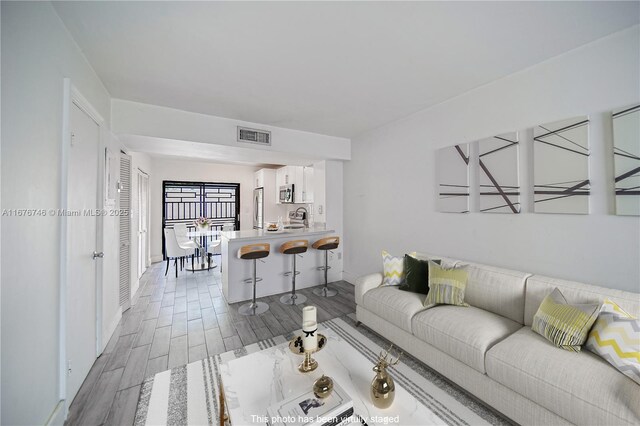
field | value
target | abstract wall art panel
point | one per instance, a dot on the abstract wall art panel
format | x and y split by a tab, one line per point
561	167
453	178
499	178
626	155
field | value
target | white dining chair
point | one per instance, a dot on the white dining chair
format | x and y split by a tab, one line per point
181	235
173	251
214	248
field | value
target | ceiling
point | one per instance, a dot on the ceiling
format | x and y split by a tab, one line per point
336	68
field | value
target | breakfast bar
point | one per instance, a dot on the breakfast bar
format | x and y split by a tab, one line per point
272	268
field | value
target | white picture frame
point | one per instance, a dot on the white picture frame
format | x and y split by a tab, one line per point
561	166
626	156
452	165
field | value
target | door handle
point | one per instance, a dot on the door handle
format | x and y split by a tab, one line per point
98	254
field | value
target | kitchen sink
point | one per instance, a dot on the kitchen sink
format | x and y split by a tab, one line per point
293	226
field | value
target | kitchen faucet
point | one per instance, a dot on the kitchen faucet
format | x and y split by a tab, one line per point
306	216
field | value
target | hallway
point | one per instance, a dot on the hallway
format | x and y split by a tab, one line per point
174	321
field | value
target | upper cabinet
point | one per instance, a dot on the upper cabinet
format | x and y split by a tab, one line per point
308	185
302	180
258	179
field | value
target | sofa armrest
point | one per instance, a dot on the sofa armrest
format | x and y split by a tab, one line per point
366	283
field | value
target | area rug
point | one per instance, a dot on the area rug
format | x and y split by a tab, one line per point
189	395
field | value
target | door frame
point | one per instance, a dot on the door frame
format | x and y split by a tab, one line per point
72	96
166	183
142	173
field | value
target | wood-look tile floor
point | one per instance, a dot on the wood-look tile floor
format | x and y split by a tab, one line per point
177	321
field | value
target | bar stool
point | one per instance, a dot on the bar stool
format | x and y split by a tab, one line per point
295	248
326	244
253	252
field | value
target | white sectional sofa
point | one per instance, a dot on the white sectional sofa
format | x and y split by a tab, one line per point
490	350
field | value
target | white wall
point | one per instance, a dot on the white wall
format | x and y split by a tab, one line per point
183	170
37	53
334	199
390	181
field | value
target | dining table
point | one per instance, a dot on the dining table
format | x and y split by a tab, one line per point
204	238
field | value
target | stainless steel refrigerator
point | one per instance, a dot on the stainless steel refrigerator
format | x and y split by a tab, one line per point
258	208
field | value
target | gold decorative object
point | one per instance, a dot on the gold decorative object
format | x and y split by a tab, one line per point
308	364
296	345
323	387
383	389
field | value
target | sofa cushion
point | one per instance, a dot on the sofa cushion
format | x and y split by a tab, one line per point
465	333
538	287
496	290
579	386
394	305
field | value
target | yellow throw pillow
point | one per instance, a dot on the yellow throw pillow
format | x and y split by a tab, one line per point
564	325
615	336
446	286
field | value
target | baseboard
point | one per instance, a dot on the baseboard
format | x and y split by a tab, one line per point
57	416
108	333
156	259
349	277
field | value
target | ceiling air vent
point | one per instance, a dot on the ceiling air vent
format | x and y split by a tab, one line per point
261	137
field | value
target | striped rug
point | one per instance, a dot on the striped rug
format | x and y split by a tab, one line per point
189	395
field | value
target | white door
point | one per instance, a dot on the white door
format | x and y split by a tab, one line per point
81	242
143	219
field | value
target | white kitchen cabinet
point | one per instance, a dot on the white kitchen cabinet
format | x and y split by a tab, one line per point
301	178
258	179
298	181
279	182
308	185
266	178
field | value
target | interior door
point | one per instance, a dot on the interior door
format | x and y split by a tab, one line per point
125	231
82	239
143	214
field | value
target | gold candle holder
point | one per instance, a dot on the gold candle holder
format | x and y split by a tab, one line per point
308	364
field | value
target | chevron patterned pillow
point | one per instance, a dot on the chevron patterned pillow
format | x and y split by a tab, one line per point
393	268
615	336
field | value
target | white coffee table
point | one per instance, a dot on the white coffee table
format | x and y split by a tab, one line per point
254	382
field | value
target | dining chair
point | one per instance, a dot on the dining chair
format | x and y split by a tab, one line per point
185	242
173	251
214	249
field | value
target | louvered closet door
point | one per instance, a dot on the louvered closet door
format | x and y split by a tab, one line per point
125	231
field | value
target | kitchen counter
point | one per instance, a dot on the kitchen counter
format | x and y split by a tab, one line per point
260	234
272	268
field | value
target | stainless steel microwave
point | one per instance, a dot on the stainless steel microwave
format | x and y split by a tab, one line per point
286	193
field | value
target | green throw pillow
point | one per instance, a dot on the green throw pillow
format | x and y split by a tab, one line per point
566	326
416	275
446	286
